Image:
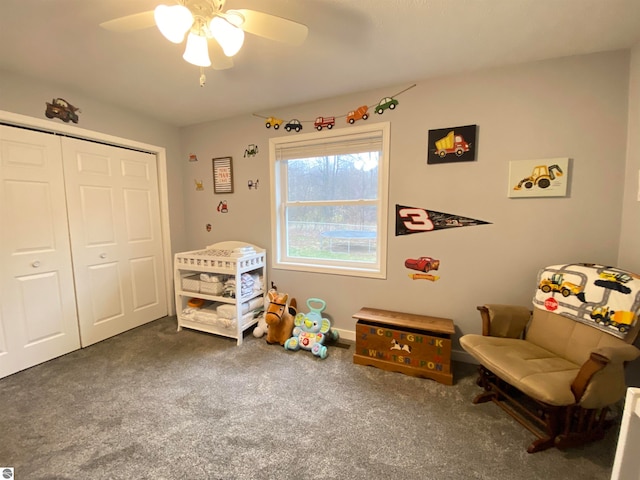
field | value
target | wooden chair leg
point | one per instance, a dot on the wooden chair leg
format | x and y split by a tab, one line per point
541	444
484	397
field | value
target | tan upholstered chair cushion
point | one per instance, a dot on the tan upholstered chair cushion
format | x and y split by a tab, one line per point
508	321
567	338
535	371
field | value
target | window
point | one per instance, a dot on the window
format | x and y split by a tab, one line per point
329	198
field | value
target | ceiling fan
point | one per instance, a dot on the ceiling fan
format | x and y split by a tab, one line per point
200	20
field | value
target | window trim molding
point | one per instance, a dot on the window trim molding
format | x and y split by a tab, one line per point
276	206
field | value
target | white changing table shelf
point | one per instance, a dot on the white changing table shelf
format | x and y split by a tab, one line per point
222	259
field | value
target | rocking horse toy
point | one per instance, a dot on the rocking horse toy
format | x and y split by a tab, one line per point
279	317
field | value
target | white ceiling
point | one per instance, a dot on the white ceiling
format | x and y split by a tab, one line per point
352	46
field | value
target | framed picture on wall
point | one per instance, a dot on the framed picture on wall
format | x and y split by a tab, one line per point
538	178
452	144
223	175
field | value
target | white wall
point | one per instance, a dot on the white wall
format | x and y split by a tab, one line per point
630	231
28	96
573	107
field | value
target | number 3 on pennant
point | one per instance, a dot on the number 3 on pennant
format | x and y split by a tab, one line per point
419	220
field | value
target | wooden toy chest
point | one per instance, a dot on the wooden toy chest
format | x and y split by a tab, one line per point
415	345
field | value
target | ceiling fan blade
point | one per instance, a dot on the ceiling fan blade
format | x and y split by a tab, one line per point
272	27
219	61
137	21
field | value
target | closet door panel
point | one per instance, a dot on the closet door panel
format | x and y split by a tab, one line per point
38	319
114	215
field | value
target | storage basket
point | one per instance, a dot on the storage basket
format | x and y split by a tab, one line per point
191	283
211	288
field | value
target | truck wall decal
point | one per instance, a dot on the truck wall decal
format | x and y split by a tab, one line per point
453	144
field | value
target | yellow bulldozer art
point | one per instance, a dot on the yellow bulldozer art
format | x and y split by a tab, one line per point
541	176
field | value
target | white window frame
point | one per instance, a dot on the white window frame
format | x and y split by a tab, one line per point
279	259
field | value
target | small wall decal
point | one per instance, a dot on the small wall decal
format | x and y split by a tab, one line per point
418	220
422	264
223	207
453	144
360	113
273	122
251	151
60	108
223	175
423	276
199	185
293	124
251	184
538	178
193	157
386	103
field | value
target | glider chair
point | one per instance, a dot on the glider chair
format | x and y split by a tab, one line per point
558	369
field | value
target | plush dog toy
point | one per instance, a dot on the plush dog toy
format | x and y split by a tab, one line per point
311	331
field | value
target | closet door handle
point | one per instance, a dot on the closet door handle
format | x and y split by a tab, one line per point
36	264
103	255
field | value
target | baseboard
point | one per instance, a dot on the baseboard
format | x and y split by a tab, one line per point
456	355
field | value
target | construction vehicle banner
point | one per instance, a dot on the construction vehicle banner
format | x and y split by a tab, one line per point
418	220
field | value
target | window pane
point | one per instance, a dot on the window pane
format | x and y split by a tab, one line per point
345	233
335	177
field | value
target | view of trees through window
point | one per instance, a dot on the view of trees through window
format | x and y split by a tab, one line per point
331	209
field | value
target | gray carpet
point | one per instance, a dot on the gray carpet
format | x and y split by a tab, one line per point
155	404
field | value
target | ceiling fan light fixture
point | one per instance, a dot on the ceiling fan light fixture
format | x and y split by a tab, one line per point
197	51
173	21
234	17
227	35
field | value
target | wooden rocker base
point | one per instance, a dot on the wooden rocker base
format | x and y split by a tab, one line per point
561	427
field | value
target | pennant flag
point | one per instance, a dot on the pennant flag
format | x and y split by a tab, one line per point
417	220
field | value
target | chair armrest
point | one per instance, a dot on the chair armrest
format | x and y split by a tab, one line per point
618	354
507	321
600	358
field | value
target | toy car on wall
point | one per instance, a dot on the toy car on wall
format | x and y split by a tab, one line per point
360	113
386	103
293	125
322	122
422	264
60	108
273	121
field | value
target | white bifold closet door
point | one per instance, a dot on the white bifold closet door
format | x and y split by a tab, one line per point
81	254
114	224
38	318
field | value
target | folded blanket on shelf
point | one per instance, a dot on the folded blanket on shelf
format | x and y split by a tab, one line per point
229	311
211	277
246	287
206	315
257	282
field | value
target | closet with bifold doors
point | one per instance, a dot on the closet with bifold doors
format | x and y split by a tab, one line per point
81	254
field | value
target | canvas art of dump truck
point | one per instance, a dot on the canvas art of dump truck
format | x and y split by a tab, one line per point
453	144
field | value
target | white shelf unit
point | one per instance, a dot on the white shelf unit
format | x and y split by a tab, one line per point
220	259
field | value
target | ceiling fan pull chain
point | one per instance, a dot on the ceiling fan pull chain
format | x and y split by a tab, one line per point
203	77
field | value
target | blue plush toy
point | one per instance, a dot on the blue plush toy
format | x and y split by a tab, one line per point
311	331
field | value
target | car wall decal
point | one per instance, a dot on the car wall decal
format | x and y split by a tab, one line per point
419	220
423	265
60	108
362	112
